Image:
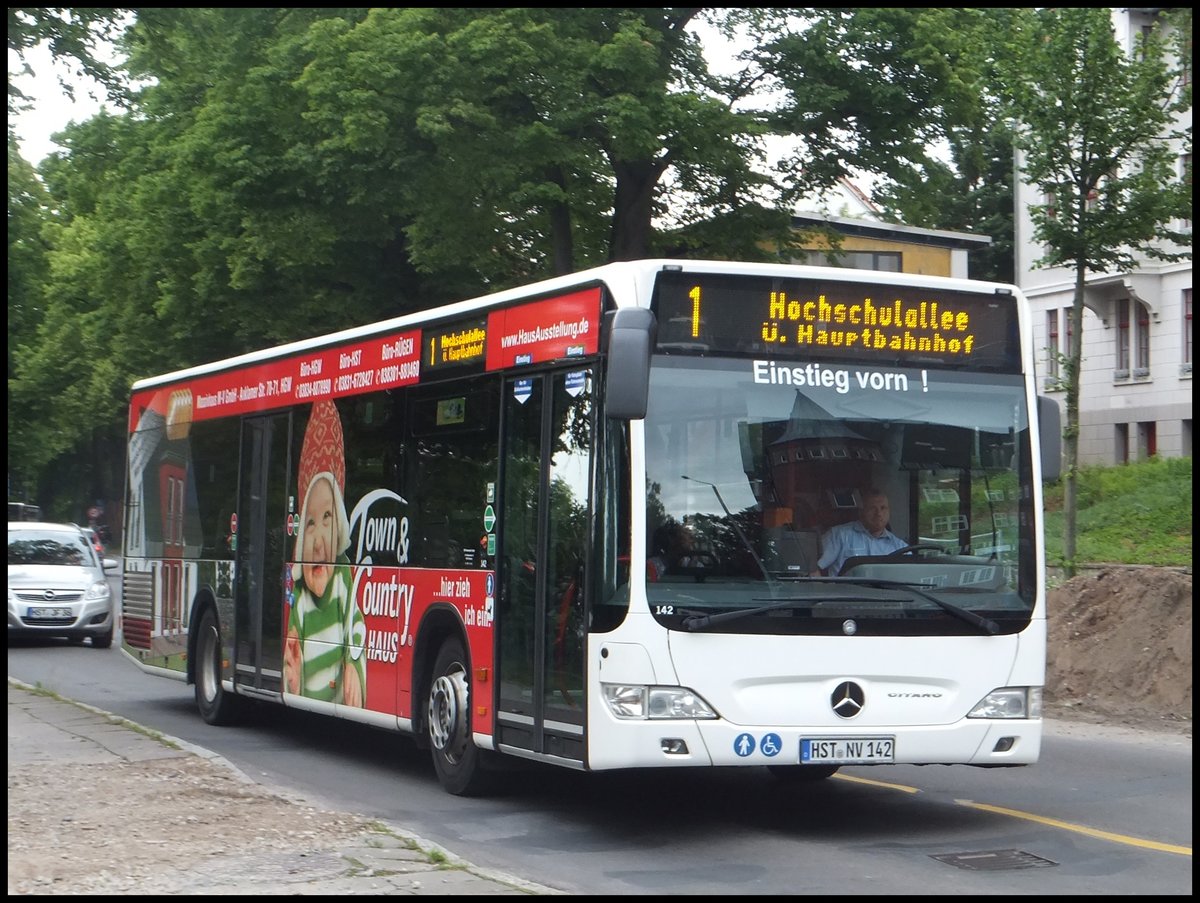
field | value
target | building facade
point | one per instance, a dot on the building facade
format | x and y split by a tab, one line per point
871	245
1135	388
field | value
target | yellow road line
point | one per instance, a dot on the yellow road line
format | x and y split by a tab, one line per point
857	780
1081	829
1052	822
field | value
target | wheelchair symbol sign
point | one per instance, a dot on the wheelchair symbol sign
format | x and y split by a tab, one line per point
770	745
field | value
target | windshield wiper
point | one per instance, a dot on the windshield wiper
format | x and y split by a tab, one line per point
693	622
737	529
987	625
696	621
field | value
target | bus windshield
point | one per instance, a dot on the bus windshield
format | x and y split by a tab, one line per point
760	479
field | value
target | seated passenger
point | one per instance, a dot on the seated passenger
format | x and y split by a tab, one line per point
869	535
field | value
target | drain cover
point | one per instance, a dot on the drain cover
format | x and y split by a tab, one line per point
991	860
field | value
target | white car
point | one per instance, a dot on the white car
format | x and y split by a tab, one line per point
57	585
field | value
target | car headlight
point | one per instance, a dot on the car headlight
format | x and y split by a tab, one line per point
97	591
1009	702
637	701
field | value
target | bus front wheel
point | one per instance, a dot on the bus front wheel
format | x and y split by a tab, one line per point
215	704
456	759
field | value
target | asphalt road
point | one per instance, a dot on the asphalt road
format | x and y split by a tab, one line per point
1105	812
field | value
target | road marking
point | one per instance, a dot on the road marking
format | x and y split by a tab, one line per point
1081	829
1040	819
890	786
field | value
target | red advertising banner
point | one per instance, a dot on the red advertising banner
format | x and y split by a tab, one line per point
366	366
561	327
558	328
393	602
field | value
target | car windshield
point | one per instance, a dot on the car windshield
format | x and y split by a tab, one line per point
30	547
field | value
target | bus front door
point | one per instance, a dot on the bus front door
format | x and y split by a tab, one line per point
261	539
545	504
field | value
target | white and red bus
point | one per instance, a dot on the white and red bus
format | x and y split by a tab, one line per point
453	523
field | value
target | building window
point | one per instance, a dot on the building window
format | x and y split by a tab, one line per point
1187	330
1122	360
1185	175
1068	347
884	261
1050	200
1052	346
1141	360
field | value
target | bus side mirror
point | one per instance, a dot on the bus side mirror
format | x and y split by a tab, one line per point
631	337
1050	430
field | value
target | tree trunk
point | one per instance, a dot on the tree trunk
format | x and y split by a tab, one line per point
1071	431
633	206
562	234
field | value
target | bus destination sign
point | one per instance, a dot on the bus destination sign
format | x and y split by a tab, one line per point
831	319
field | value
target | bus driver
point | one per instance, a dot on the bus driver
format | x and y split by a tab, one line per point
869	535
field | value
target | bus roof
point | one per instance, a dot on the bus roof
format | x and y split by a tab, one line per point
630	282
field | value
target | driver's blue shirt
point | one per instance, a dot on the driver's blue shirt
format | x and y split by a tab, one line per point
849	540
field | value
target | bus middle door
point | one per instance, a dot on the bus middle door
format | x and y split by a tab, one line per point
545	508
262	528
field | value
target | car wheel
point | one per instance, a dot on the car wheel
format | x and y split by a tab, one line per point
802	774
456	759
216	706
103	640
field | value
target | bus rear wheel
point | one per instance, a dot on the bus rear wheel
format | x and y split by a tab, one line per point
215	704
456	759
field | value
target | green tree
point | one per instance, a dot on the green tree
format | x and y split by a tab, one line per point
286	172
27	277
971	193
27	265
1092	129
968	184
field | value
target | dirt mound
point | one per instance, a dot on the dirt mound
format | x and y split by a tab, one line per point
1120	648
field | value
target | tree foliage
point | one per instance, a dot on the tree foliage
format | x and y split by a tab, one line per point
1094	128
286	172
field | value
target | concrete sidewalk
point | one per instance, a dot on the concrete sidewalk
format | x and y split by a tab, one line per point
160	815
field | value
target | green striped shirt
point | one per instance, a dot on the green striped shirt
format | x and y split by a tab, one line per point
333	634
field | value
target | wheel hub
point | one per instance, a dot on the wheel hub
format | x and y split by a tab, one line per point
448	713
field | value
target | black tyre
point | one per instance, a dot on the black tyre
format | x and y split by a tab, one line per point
802	774
456	759
103	640
216	706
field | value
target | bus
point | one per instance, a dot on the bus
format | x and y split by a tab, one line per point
452	524
23	511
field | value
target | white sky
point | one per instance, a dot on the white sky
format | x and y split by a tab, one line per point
52	110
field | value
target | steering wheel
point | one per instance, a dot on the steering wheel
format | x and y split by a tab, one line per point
918	547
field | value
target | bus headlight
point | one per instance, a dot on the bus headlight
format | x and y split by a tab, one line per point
1009	702
657	703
